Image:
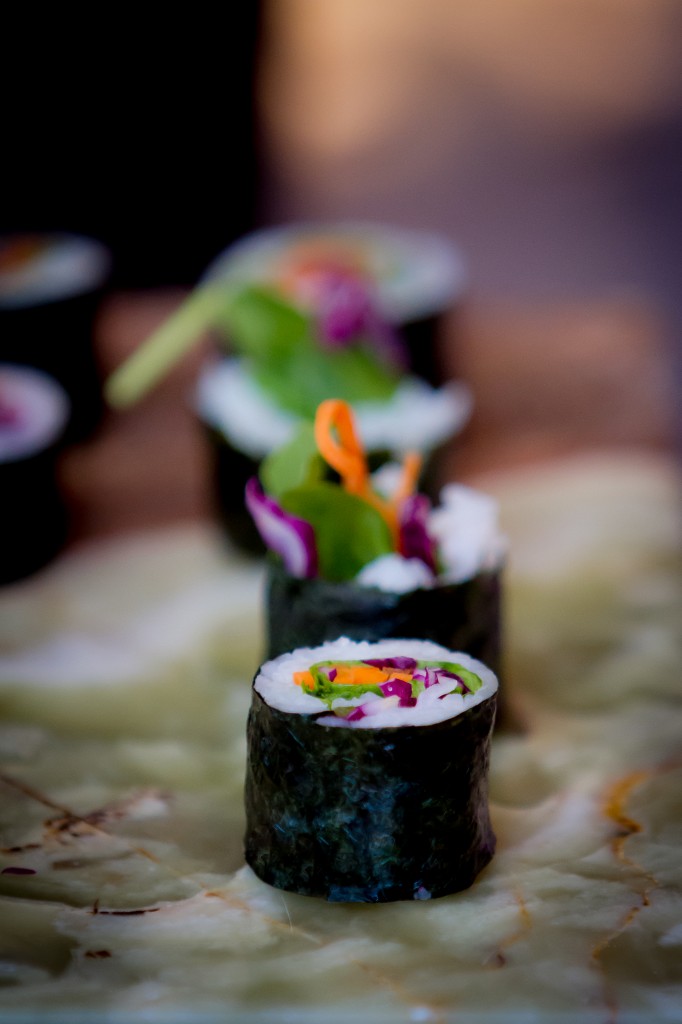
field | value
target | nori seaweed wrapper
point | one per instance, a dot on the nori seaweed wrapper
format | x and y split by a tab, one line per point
368	815
462	616
35	518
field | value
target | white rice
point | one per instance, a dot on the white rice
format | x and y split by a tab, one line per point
396	575
465	528
417	417
275	683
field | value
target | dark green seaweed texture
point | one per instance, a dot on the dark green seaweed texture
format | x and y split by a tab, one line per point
460	616
368	815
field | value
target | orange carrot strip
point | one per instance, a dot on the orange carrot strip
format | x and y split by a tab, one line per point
401	674
304	679
351	675
412	464
347	457
348	675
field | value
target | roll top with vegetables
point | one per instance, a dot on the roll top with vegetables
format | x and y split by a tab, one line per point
378	525
367	555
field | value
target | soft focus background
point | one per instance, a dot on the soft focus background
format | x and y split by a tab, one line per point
543	139
546	140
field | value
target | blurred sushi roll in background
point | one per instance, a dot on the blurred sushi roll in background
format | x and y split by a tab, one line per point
51	286
34	415
367	771
326	318
417	278
368	556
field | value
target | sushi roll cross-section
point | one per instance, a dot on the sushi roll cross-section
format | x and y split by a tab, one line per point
367	770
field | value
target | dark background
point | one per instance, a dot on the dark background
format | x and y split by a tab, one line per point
140	133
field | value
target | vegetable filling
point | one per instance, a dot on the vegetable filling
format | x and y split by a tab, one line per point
400	681
299	511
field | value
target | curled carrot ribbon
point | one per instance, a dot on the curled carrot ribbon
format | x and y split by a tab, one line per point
338	443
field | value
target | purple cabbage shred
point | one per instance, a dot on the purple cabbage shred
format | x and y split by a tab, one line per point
414	540
401	663
345	310
290	537
396	688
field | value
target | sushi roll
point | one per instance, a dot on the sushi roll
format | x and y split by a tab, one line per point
34	412
51	286
367	768
368	557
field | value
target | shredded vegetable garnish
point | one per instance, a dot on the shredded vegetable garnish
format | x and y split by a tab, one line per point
400	681
351	522
340	446
354	519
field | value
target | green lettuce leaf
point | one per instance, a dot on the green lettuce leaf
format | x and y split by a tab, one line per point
293	465
263	327
311	373
349	533
289	361
472	681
